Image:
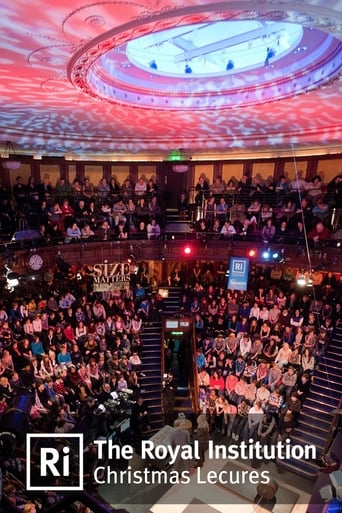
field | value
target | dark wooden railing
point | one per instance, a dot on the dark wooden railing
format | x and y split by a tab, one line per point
328	257
193	377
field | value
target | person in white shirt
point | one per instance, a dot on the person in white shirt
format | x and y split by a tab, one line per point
273	314
255	311
153	230
140	187
283	355
3	315
245	346
263	395
298	183
228	230
264	314
37	324
255	416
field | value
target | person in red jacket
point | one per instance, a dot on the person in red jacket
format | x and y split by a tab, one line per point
319	234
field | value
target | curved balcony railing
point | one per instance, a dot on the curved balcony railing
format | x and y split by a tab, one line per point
168	249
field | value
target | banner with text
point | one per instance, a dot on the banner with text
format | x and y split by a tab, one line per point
111	276
238	273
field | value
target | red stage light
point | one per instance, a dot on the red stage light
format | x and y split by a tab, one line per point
187	250
252	253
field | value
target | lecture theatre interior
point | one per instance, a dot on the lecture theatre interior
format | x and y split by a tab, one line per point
171	256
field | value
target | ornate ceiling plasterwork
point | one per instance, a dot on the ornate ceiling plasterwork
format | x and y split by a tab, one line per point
59	94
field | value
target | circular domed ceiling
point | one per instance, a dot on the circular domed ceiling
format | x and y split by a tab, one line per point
208	64
118	78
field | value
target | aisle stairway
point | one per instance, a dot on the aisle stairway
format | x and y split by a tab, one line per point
152	357
151	383
170	303
183	402
316	415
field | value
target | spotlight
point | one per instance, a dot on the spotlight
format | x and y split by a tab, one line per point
273	255
131	258
187	250
252	253
12	279
12	282
301	281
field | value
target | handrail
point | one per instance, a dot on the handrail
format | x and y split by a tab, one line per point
169	250
192	374
332	431
194	386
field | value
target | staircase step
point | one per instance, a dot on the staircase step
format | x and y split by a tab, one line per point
174	290
301	437
152	345
155	426
317	394
328	372
334	353
150	380
152	353
151	383
334	348
316	409
310	427
152	333
332	362
150	364
319	406
301	468
153	398
310	465
153	407
152	359
327	383
306	417
152	376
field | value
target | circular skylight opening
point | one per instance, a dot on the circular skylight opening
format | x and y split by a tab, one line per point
207	64
214	48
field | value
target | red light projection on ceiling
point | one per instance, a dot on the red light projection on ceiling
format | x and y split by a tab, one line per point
80	78
168	70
